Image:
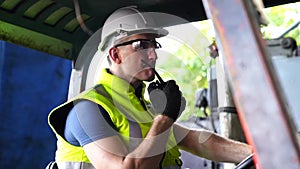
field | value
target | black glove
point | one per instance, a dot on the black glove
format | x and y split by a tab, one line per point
166	98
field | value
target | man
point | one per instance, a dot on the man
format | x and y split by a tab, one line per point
113	126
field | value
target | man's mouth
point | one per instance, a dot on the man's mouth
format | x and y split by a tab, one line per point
155	72
146	65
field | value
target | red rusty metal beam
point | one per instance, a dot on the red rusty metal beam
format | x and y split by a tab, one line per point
257	95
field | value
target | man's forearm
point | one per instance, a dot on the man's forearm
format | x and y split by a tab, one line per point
112	153
226	150
211	146
151	149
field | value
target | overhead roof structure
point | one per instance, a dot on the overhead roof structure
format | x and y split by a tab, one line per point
51	26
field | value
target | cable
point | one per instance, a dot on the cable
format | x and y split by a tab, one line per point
79	18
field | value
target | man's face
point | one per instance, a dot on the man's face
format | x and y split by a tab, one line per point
138	57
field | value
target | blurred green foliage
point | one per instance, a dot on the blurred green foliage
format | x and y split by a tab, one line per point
190	68
280	18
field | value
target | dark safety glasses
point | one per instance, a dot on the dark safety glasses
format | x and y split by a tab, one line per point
139	44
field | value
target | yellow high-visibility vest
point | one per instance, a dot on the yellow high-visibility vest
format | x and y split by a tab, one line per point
126	112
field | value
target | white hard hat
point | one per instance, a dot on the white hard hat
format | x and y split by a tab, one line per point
125	22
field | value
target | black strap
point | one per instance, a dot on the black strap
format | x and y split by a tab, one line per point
161	161
106	116
227	110
52	165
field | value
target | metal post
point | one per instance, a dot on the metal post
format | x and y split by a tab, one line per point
263	116
230	126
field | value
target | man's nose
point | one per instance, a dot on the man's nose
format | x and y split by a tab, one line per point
152	55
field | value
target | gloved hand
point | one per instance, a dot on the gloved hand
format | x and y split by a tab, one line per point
166	99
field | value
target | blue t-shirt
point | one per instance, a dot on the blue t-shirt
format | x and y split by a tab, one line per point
88	122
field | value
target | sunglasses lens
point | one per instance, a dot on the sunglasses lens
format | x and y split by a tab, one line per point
136	45
141	44
145	45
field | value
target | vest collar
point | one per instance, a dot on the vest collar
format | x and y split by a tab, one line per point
119	85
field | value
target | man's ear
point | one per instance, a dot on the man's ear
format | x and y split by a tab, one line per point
114	56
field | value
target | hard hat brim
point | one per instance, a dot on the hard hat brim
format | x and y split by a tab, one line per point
158	32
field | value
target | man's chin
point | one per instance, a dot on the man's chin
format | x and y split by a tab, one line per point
150	79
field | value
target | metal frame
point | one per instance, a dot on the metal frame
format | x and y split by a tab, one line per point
57	19
256	92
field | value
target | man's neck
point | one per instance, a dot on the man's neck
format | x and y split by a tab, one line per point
135	83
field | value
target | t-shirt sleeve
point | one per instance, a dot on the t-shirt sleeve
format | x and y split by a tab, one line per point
88	122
